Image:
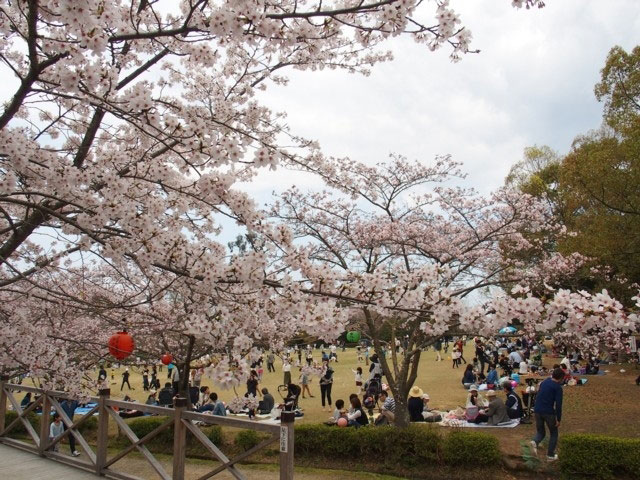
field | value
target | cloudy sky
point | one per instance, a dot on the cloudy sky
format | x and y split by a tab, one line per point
531	84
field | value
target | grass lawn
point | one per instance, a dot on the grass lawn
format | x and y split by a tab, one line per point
606	404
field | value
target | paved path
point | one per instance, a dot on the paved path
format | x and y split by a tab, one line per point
16	464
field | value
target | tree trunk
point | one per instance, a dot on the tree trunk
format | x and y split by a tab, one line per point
402	412
183	389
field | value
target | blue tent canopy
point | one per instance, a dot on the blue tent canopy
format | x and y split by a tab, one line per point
508	330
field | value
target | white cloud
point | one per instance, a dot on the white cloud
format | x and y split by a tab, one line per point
532	83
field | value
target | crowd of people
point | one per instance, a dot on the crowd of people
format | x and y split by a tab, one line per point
490	375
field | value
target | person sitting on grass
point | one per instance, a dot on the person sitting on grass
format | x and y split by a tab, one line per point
203	397
415	404
429	414
267	403
387	410
358	418
151	399
468	378
213	406
496	412
592	367
130	412
165	396
513	403
473	399
339	412
492	376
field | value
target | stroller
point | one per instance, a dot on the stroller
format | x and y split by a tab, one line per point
372	389
529	399
289	396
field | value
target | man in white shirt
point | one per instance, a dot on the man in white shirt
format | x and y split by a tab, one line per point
515	358
524	368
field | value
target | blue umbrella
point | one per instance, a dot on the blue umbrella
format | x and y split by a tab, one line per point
508	330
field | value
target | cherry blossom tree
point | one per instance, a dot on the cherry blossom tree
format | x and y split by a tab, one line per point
128	125
403	251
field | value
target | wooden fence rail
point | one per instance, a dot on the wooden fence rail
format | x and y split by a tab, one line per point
98	461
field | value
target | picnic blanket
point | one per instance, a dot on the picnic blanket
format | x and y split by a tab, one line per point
464	424
85	409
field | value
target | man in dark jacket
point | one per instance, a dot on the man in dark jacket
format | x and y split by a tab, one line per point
267	403
69	407
513	402
548	411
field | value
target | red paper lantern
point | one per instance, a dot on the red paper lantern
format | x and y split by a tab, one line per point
121	345
166	359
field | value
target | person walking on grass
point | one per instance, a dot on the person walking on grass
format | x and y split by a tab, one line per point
125	379
304	382
548	411
437	347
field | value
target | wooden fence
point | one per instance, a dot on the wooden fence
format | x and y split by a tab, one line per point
99	462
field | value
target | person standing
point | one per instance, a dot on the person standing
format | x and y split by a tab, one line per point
125	379
437	346
155	383
326	382
175	379
253	388
286	370
197	376
309	358
455	356
69	407
481	355
271	359
548	411
460	345
55	430
145	379
304	382
102	374
358	379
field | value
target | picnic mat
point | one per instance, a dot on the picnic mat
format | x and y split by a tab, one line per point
85	409
465	424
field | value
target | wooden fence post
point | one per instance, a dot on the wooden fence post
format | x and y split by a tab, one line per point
3	401
45	420
286	445
179	438
103	430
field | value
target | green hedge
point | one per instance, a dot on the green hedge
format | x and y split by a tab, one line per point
408	447
247	439
163	442
89	425
598	456
19	429
471	449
